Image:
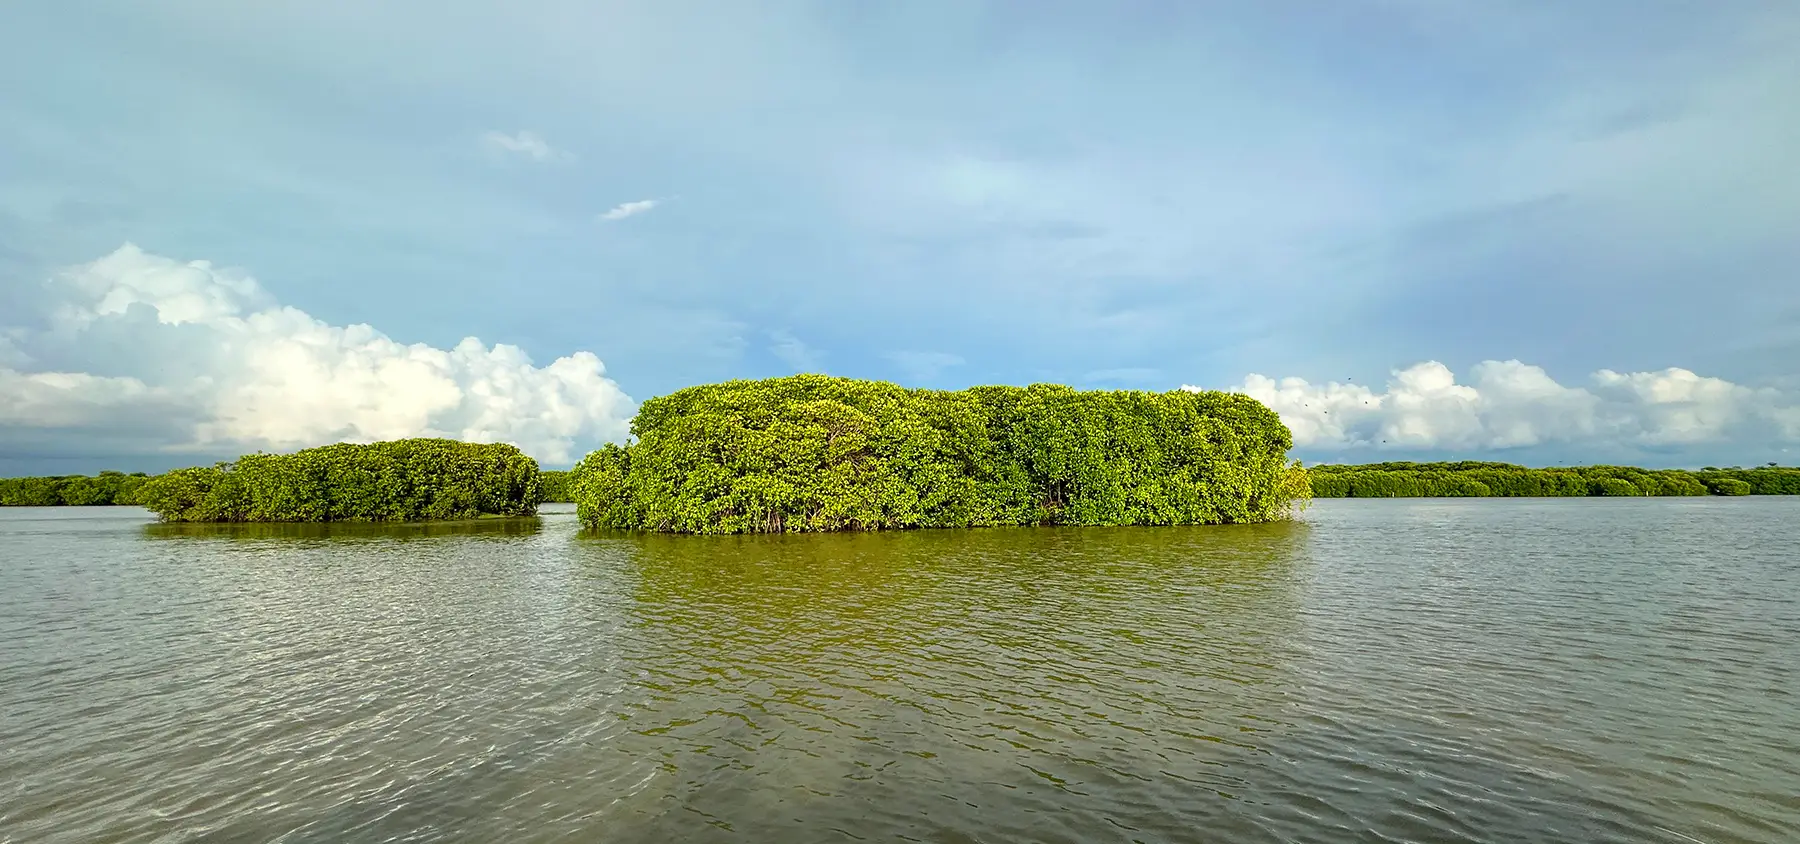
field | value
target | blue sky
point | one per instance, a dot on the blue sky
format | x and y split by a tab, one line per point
1113	194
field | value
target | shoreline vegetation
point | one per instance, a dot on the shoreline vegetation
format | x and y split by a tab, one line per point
816	453
1470	479
102	490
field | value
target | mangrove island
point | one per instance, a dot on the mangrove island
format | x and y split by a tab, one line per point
817	453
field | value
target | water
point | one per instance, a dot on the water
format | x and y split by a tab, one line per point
1430	671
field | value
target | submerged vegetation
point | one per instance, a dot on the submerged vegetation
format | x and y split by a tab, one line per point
398	481
72	490
815	453
1480	480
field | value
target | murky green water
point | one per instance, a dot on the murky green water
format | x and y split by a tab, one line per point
1431	671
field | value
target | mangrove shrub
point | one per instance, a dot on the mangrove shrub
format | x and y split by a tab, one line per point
398	481
815	453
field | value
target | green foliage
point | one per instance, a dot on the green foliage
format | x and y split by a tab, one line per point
398	481
1763	480
814	453
1728	486
31	492
71	490
556	488
1614	486
1472	478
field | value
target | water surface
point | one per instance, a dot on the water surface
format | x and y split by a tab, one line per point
1388	670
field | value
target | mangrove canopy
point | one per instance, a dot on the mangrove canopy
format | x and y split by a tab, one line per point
816	453
397	481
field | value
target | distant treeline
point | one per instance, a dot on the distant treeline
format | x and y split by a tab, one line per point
399	481
110	488
72	490
815	453
1478	480
556	488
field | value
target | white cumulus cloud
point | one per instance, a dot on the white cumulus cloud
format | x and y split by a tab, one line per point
68	399
1509	404
525	143
629	209
188	356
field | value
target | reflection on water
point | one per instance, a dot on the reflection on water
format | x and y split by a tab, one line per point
1387	671
1016	681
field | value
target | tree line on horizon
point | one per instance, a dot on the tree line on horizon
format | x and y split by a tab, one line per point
105	489
555	485
1475	479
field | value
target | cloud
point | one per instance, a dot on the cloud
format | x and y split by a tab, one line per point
795	352
187	357
629	209
526	143
1509	404
924	366
70	399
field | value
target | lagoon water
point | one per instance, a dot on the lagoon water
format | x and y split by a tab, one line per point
1593	670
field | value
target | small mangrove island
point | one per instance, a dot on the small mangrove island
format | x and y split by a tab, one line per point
817	453
398	481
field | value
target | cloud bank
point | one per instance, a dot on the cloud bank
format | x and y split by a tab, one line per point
1509	405
158	355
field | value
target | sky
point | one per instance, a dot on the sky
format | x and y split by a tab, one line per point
1419	229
